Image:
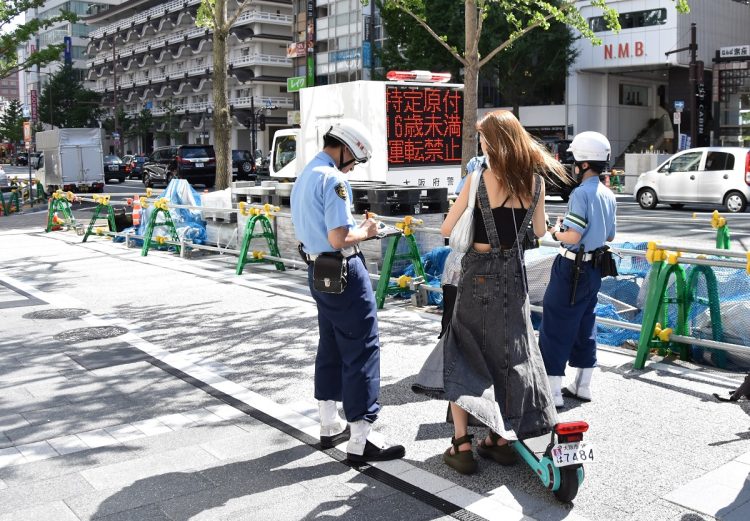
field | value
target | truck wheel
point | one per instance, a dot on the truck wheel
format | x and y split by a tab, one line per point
647	199
735	202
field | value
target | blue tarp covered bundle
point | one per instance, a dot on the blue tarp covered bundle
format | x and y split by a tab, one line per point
188	223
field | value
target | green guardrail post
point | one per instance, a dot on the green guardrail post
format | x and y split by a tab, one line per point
103	204
391	256
249	235
656	304
60	203
723	237
714	305
160	208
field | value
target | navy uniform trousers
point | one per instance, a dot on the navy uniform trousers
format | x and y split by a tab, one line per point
347	366
568	333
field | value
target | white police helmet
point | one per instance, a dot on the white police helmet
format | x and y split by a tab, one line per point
590	146
355	136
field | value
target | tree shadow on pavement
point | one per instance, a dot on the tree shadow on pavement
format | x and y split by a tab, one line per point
262	482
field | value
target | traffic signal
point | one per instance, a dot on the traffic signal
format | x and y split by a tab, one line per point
262	121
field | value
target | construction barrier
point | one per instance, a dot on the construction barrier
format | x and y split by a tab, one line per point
672	288
262	217
102	205
161	207
7	206
59	213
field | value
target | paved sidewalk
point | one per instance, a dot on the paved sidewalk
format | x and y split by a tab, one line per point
194	402
96	429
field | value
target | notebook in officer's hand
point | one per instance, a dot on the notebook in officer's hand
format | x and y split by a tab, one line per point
385	230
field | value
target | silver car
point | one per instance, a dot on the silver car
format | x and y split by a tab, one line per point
709	175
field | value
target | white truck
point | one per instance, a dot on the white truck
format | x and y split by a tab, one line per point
416	130
72	159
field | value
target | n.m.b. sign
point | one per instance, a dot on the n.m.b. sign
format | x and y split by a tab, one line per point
296	83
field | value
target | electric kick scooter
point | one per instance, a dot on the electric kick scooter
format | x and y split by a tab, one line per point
560	466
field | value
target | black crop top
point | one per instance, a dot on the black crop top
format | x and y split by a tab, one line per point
503	218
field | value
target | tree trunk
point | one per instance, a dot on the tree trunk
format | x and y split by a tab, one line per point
471	82
222	118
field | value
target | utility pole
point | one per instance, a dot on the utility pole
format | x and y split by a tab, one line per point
114	96
693	80
695	70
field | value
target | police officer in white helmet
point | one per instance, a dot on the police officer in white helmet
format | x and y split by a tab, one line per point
567	334
347	365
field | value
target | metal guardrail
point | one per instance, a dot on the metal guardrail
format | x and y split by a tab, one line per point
417	285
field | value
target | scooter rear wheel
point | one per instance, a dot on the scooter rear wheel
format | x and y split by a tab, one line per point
568	484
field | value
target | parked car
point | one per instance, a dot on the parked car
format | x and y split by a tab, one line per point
559	149
195	163
22	158
242	164
114	168
707	175
134	166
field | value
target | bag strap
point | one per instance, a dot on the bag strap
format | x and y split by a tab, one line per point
475	176
530	212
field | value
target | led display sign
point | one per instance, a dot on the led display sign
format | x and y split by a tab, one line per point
424	125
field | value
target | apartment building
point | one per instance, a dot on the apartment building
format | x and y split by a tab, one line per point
149	54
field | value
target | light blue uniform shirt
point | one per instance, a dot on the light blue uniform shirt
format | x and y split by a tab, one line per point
321	201
473	163
592	213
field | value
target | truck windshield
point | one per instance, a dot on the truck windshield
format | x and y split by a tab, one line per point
285	152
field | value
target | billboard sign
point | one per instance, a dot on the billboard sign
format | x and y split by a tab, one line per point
296	83
424	125
68	43
34	106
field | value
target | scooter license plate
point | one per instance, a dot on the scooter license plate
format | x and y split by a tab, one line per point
564	454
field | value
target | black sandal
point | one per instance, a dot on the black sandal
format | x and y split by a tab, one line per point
462	461
502	454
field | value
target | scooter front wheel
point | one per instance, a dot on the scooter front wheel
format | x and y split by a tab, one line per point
568	483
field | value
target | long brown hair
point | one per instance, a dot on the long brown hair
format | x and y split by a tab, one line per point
513	155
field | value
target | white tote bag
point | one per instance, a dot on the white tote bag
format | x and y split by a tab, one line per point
462	235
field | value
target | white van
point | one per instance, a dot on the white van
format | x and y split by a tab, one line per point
708	175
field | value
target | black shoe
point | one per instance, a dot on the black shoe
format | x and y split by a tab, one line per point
375	453
329	442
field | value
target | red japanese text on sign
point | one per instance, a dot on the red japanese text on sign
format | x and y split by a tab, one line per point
424	125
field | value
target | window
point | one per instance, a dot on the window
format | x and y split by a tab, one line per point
719	161
631	20
636	95
685	163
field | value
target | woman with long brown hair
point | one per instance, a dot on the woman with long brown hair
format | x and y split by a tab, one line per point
487	364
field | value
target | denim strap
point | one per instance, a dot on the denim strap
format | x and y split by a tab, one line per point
489	220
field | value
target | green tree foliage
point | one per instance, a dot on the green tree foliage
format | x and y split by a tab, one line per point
13	37
11	122
531	71
522	17
72	105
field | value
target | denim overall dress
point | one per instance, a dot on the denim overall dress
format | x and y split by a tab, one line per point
488	361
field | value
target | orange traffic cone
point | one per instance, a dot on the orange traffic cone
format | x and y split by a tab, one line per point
136	211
